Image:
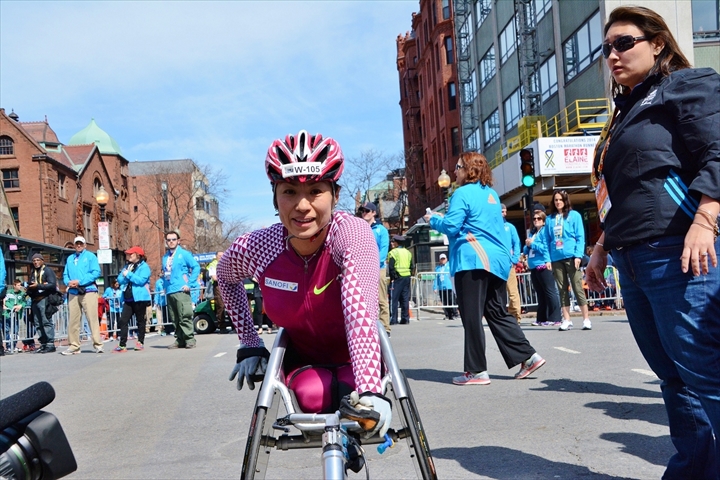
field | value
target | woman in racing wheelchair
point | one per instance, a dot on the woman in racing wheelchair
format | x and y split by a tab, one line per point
318	272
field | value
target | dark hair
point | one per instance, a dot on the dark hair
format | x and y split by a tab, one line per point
655	29
173	231
567	206
476	168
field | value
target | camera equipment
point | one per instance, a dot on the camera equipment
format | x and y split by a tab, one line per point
33	445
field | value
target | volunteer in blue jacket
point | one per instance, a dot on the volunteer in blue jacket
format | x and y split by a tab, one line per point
81	271
368	212
133	280
480	263
161	307
538	260
565	237
442	285
180	269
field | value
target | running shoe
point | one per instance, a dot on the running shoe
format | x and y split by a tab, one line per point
120	349
468	378
565	326
70	351
530	365
139	347
587	325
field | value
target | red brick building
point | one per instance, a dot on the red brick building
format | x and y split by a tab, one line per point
429	102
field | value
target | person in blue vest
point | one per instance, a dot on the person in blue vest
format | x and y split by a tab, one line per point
442	285
113	296
134	279
368	212
160	305
180	270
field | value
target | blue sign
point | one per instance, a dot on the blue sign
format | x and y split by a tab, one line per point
204	257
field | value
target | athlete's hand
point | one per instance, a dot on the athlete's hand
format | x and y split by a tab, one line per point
371	410
251	365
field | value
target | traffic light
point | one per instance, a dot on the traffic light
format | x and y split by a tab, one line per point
527	167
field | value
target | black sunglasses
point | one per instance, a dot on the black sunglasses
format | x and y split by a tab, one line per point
537	218
458	167
620	44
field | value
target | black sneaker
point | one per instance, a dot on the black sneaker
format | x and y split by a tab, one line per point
49	350
41	349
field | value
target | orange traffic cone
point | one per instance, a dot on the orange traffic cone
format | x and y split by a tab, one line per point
103	328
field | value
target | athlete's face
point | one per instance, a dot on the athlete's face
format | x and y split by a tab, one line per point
305	208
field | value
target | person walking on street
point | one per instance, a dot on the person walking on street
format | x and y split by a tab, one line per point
565	236
400	264
514	301
655	172
480	263
43	282
180	269
368	212
134	279
216	295
81	271
538	260
443	287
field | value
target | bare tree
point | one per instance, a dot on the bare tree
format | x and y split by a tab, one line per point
220	239
362	173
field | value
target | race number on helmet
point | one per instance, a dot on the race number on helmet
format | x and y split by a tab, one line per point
305	158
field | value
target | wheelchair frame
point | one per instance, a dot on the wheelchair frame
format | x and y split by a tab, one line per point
261	439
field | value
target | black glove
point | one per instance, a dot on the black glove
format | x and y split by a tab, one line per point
251	365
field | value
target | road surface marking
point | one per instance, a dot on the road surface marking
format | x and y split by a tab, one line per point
649	373
220	354
567	350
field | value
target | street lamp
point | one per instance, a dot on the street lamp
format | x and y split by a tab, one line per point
444	184
102	197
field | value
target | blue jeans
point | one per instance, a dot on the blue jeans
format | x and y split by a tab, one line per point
675	319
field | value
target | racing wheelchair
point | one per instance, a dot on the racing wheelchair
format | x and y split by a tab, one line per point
339	438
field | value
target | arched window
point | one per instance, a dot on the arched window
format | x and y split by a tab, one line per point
6	146
97	184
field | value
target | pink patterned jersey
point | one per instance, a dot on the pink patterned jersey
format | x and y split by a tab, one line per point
326	302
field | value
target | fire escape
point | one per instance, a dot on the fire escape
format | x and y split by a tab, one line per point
528	56
468	118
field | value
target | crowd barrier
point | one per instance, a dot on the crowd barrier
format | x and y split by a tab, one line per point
18	326
424	298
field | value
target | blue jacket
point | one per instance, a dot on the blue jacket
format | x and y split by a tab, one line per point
442	280
160	299
537	253
383	241
139	279
475	228
3	273
515	249
84	268
185	270
565	236
114	299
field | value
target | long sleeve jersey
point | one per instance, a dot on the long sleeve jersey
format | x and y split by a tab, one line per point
326	302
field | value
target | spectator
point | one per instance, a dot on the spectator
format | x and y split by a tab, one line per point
514	303
400	262
566	240
13	313
113	296
134	278
538	259
480	263
43	282
81	271
217	297
160	301
180	269
443	287
368	212
656	171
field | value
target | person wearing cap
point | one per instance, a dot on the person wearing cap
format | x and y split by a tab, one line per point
400	264
42	283
133	280
81	271
368	212
180	270
443	287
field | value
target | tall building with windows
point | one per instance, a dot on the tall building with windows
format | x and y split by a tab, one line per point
427	72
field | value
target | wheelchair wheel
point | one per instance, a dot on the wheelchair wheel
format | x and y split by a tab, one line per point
417	440
257	452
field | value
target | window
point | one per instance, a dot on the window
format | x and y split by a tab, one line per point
448	50
482	10
446	9
442	105
487	67
508	40
62	193
542	7
135	209
705	19
491	128
583	47
437	57
87	223
455	139
548	78
6	146
15	212
11	178
452	96
199	204
474	140
469	90
97	185
433	11
512	108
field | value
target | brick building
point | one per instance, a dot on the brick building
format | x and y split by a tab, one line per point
429	102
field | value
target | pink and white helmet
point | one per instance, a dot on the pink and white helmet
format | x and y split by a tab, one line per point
305	158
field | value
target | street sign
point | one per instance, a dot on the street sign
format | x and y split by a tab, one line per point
104	256
204	257
104	236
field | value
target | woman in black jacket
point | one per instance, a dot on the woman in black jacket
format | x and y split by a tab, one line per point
657	177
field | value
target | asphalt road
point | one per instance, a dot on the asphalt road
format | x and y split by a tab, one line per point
594	411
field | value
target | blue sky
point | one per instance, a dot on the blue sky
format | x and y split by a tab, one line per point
211	81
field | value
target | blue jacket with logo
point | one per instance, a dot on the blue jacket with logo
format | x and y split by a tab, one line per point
515	249
383	241
442	279
160	299
138	278
84	268
565	236
538	253
185	269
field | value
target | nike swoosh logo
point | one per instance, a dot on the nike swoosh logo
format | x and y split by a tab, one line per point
318	291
